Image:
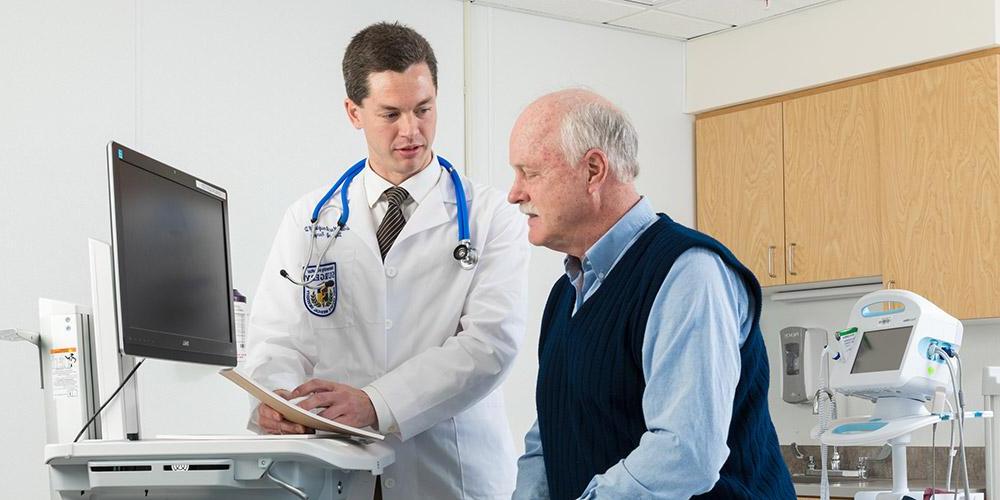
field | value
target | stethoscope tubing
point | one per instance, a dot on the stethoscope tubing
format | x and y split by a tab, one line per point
463	216
343	184
344	179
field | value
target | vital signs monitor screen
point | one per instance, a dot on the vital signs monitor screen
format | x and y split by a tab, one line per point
881	350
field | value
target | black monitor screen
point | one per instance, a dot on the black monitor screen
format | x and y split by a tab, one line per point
881	350
171	250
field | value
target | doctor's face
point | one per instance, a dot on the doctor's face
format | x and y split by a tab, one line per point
399	118
547	188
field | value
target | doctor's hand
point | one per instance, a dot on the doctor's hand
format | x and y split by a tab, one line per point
273	422
343	403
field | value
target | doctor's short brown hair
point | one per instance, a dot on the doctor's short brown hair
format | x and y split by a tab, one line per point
383	47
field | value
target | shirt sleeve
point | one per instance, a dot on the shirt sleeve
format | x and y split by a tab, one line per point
691	365
532	483
386	420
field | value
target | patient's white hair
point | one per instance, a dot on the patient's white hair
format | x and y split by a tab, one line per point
600	125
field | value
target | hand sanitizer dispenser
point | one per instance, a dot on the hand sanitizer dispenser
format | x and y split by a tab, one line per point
800	351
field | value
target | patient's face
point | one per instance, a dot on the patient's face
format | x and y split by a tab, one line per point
550	190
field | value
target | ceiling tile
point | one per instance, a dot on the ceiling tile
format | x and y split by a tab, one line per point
596	11
663	23
735	12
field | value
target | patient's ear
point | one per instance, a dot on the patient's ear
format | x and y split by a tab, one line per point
598	170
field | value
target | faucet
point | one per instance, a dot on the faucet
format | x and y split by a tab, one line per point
834	471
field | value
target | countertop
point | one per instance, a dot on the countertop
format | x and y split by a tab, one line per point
847	488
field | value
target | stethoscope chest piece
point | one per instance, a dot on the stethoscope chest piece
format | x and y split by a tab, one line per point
466	255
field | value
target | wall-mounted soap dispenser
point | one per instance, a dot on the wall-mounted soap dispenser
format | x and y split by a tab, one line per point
800	362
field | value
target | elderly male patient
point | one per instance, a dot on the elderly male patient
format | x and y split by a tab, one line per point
653	378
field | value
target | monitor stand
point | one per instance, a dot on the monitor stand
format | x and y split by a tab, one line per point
120	419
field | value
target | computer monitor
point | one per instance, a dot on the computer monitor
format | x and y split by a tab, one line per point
171	261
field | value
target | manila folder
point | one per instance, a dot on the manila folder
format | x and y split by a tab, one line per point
292	411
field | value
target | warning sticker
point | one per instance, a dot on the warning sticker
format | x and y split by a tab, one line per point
65	376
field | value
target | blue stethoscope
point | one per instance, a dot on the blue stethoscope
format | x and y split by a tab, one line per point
464	253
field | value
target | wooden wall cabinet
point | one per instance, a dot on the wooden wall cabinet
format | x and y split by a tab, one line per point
792	188
739	185
832	214
895	174
940	168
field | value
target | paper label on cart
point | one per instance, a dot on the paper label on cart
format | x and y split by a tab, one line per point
65	375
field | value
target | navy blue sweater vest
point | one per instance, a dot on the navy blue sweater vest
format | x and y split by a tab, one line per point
590	379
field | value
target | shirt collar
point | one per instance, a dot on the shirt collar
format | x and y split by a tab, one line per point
418	185
604	254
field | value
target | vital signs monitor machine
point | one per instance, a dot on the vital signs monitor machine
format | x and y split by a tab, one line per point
899	351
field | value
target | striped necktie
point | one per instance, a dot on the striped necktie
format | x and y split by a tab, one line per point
393	222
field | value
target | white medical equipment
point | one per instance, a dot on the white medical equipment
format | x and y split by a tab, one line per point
236	468
800	354
896	353
19	335
991	401
466	254
117	461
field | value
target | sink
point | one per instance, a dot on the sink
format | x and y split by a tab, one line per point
804	479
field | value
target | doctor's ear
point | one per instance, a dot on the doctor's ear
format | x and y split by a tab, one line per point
353	113
596	163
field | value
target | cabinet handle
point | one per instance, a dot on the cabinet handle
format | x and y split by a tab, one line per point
770	261
791	259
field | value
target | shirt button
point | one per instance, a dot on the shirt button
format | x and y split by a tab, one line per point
388	324
390	272
388	482
600	275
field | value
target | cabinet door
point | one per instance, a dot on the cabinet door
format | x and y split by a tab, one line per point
739	187
832	214
941	182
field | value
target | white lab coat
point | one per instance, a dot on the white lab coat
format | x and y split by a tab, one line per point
433	340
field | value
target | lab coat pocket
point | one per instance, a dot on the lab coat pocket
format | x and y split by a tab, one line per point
348	355
486	448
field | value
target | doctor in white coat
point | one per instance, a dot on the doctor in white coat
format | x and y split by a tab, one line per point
411	343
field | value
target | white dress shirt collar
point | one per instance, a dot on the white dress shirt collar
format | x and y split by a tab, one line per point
417	186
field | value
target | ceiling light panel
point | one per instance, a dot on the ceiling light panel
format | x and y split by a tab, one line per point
735	12
595	11
662	23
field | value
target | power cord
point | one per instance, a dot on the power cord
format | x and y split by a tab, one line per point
960	411
110	399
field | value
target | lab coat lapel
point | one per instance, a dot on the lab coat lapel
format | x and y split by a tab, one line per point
431	212
361	223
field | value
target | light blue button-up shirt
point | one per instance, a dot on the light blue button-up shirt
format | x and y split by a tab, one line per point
691	363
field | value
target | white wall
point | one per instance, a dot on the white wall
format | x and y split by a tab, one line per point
834	42
248	95
520	58
66	87
980	347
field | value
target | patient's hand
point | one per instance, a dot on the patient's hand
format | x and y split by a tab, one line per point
273	422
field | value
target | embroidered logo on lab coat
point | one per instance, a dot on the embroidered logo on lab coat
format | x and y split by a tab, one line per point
322	301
